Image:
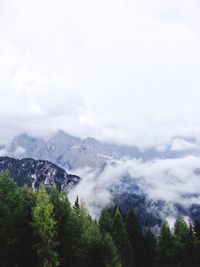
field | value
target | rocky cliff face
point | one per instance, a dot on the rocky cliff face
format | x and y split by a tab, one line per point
64	150
36	172
72	153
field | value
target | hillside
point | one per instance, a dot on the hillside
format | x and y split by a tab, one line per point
37	172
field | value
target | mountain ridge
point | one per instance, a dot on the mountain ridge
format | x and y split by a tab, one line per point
33	173
72	152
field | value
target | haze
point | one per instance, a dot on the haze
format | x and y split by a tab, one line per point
121	71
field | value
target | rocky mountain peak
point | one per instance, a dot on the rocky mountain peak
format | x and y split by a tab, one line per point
36	172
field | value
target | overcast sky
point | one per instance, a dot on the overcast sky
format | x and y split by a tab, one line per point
118	70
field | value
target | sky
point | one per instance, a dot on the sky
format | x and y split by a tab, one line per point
123	71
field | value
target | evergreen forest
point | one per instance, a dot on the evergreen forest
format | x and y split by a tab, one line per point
42	229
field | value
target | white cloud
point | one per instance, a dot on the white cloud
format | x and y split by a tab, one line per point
3	152
123	71
181	144
172	180
19	151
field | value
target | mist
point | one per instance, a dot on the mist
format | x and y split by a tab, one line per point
171	180
120	71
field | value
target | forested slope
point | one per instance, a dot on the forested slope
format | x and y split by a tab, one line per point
43	229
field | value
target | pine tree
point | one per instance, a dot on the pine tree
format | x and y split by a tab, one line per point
40	229
136	239
150	249
90	238
63	216
45	229
76	204
189	249
110	257
26	255
121	240
10	212
197	242
105	221
166	246
197	229
84	237
181	234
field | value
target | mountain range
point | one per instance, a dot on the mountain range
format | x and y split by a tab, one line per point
160	181
72	153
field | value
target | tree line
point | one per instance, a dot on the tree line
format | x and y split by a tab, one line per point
42	229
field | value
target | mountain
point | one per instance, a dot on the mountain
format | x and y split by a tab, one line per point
28	147
73	153
152	180
36	172
64	150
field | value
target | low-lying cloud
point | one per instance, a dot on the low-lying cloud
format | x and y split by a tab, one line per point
171	180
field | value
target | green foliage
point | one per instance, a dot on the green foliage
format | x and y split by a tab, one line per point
90	238
150	248
16	235
120	237
42	229
137	240
63	216
9	217
166	246
109	252
105	221
76	205
182	235
25	248
197	229
180	229
45	229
